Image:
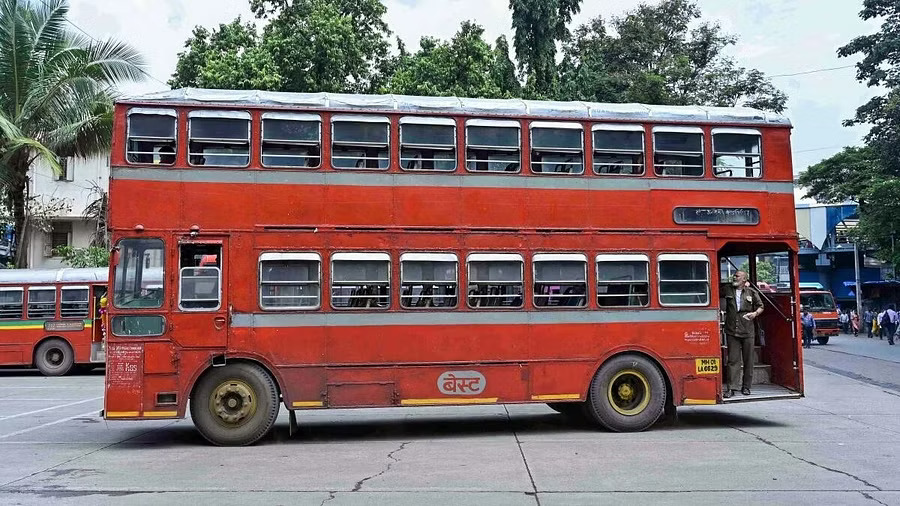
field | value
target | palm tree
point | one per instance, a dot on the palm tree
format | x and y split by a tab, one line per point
57	88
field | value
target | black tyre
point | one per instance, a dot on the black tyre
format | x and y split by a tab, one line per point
54	357
570	409
628	394
234	405
822	339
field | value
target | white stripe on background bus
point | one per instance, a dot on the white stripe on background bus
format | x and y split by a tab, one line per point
2	418
92	412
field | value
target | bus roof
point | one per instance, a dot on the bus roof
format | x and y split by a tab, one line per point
29	276
459	105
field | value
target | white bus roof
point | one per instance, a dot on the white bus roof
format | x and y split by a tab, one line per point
31	276
458	105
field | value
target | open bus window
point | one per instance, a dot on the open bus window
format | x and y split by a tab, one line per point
557	148
560	280
428	280
291	140
623	280
11	302
683	279
360	142
139	274
151	136
427	143
618	149
200	277
41	302
360	280
74	302
289	280
678	151
737	153
495	280
219	138
493	145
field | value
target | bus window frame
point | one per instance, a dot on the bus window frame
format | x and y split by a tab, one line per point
21	290
42	288
688	257
290	116
87	301
428	120
344	256
150	111
487	256
429	256
220	114
298	256
559	257
555	125
621	257
495	123
737	131
361	118
115	279
683	130
619	127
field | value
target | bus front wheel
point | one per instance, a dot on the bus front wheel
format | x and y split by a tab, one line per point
628	394
54	357
235	405
822	339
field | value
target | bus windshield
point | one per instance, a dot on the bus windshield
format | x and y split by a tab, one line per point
139	274
817	301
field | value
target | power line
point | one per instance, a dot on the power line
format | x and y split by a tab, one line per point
816	71
817	149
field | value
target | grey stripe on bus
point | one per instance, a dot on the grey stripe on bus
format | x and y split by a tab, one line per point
339	319
243	176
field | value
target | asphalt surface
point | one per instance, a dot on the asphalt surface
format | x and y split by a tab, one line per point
839	445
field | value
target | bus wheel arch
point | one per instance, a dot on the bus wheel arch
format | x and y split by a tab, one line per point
629	392
235	404
53	356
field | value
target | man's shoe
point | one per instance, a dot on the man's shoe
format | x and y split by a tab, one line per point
745	391
727	394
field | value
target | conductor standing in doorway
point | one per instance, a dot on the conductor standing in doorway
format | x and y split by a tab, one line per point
742	305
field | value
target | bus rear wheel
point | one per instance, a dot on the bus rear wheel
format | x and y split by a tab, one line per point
628	394
235	405
54	357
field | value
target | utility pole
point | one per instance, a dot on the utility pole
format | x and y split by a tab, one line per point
856	273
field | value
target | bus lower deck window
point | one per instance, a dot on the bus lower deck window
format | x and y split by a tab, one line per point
200	277
737	153
219	138
291	140
678	151
427	143
495	280
11	303
74	302
41	302
557	148
360	281
683	280
618	149
623	280
560	280
151	136
360	142
289	281
428	280
493	145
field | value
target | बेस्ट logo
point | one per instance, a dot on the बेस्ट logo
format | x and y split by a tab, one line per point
461	383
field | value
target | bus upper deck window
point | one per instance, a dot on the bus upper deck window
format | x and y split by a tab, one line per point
360	142
557	147
683	279
139	278
493	145
428	280
560	279
623	280
11	302
219	138
618	149
678	151
427	143
42	302
291	140
289	281
495	280
151	136
360	280
737	152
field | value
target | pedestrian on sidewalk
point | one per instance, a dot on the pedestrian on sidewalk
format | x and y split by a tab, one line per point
868	316
854	322
881	321
891	319
844	319
809	328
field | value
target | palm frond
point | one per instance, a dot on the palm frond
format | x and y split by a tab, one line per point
113	62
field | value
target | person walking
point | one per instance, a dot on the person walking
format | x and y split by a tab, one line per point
742	304
868	317
843	319
809	328
854	322
892	319
880	320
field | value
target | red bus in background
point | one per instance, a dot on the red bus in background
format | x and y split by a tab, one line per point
50	319
338	251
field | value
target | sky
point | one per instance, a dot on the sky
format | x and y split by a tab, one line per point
775	36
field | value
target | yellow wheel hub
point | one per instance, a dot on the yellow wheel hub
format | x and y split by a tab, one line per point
629	392
233	402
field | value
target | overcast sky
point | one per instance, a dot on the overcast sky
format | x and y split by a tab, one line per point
776	36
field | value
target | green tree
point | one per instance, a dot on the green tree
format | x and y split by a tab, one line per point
659	54
92	256
56	94
503	70
842	177
538	26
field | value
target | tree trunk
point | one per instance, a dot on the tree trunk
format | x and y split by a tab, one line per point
17	193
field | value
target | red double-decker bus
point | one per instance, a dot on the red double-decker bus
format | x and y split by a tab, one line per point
51	319
337	251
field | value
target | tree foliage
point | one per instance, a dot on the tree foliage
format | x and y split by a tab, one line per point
842	177
92	256
538	26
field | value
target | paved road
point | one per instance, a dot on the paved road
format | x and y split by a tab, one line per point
870	360
840	445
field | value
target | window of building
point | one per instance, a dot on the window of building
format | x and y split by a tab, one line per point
427	143
495	280
678	151
289	280
200	277
560	279
291	140
74	301
138	281
360	280
360	142
737	152
623	280
151	136
66	169
557	147
428	280
60	235
41	302
219	138
493	145
683	279
618	149
11	304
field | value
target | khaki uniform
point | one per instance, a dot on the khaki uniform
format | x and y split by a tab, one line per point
740	333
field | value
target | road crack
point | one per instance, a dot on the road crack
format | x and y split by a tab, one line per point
387	468
534	492
330	497
867	496
801	459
